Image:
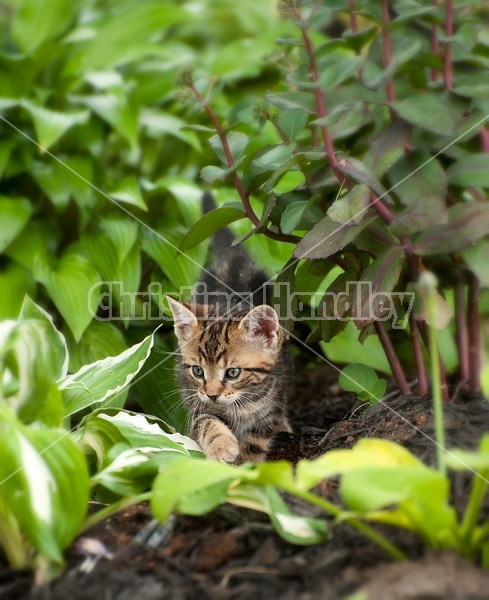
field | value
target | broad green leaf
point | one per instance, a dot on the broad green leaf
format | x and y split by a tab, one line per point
73	287
117	109
14	214
364	381
237	145
292	122
45	486
293	528
100	339
367	452
472	170
104	379
123	233
50	125
303	101
477	257
275	156
187	194
127	191
15	283
292	216
416	176
420	214
182	269
350	208
39	21
158	123
470	460
209	223
327	238
186	477
467	223
212	173
372	299
426	111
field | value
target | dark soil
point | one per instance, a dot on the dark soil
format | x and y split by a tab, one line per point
235	554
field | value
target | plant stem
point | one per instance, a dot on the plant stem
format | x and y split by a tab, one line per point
12	542
418	356
373	535
435	44
112	509
387	54
391	355
447	68
443	377
461	328
474	335
238	184
471	516
436	382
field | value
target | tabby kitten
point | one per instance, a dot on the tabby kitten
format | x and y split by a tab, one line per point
235	368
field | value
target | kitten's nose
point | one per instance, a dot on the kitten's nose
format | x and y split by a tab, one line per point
213	398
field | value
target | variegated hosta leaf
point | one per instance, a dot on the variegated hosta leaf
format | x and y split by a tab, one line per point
44	488
33	356
104	379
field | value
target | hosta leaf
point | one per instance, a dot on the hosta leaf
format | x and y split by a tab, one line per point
128	192
45	485
105	378
472	170
117	109
72	287
39	21
15	283
211	222
327	238
123	233
158	123
467	223
50	125
14	214
100	339
426	111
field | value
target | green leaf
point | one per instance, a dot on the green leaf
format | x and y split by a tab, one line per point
387	148
477	257
14	214
127	191
358	171
117	109
423	212
237	142
182	479
472	170
403	49
105	378
73	289
292	122
158	123
100	339
426	111
467	223
39	21
303	101
470	460
212	174
123	233
362	380
15	283
327	238
292	216
50	125
350	208
211	222
45	487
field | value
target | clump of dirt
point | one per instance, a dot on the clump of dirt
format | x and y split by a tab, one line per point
235	554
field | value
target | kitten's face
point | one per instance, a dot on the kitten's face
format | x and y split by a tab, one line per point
225	360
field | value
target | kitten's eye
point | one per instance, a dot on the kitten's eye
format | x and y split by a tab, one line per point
233	373
198	371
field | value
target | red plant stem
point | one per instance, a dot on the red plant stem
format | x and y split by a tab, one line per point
387	52
391	355
320	103
238	184
461	332
353	16
484	139
447	69
474	335
435	44
418	356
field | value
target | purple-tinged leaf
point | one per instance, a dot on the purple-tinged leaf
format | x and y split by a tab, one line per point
355	170
351	207
387	148
426	111
422	213
472	170
477	257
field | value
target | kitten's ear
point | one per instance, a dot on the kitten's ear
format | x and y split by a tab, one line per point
185	320
262	321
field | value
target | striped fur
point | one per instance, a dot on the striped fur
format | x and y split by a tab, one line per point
233	419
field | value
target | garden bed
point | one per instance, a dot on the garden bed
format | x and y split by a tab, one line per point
234	553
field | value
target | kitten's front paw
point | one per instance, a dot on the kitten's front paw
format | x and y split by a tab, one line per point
224	449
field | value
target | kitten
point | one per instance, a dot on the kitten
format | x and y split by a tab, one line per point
235	369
